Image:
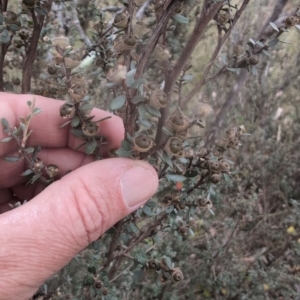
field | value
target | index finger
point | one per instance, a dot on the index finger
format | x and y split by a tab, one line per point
45	126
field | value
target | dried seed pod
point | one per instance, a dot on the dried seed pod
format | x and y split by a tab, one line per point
38	90
233	143
62	42
140	30
51	69
158	98
238	50
77	81
175	195
253	60
231	132
118	74
204	203
90	128
105	291
213	165
150	87
177	275
223	16
10	17
121	20
180	205
179	122
16	80
204	110
161	53
23	34
18	43
38	165
183	230
201	152
142	143
127	42
152	264
290	21
215	178
224	166
67	110
71	64
98	284
78	93
174	146
52	170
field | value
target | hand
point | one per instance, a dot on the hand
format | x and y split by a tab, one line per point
43	235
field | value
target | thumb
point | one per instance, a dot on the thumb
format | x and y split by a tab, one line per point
42	236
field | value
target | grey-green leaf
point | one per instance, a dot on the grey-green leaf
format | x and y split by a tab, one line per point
153	111
90	146
12	158
117	103
180	19
7	139
175	177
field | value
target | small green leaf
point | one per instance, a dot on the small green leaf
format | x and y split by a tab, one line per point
153	111
65	124
126	145
7	139
265	52
133	228
13	27
180	19
169	209
4	38
273	42
137	275
40	10
135	85
147	211
4	123
12	158
151	204
77	132
260	44
226	177
117	103
274	26
122	153
92	270
75	121
29	150
29	103
33	179
138	99
36	110
90	146
145	123
175	177
168	261
27	172
188	77
124	237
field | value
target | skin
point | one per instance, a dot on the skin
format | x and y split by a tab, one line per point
42	236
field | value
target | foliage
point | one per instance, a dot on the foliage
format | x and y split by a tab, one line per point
223	224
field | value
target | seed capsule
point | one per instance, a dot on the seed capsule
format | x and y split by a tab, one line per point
177	275
67	110
90	128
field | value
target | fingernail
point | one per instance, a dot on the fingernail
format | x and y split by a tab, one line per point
138	184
